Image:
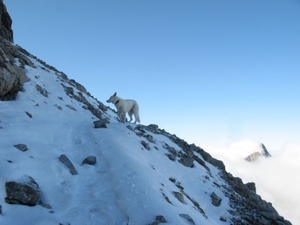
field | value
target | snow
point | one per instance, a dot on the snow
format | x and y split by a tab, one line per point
127	185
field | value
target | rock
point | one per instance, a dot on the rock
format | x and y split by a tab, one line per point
149	138
186	161
179	196
215	199
223	219
159	219
152	128
66	161
101	123
5	23
12	76
25	191
251	186
188	218
42	90
28	114
90	160
146	145
21	147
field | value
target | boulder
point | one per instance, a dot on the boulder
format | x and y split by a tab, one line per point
25	191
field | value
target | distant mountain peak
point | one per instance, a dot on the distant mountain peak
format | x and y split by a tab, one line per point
258	154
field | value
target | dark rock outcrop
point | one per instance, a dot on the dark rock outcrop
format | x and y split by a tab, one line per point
5	23
12	76
26	191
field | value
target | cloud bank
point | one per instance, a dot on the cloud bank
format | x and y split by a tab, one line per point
277	179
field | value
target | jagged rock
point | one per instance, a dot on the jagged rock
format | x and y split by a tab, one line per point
188	218
66	161
25	191
101	123
5	23
21	147
90	160
215	199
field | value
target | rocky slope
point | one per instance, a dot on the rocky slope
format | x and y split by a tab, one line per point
67	160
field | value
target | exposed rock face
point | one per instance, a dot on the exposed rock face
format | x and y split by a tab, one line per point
256	155
24	192
12	76
5	23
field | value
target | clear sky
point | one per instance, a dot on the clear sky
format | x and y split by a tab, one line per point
211	72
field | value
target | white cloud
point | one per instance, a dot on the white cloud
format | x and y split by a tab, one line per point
276	178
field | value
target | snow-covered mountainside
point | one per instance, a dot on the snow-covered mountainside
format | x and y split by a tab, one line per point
82	166
66	159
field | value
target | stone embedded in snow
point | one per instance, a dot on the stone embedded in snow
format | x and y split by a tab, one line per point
90	160
179	196
24	192
158	220
21	147
188	218
215	199
101	123
186	161
66	161
146	145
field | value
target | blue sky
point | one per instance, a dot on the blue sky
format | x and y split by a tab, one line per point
212	72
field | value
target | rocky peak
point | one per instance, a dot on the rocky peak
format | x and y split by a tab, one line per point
256	155
5	23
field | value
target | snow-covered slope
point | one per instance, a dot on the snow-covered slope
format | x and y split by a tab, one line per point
143	175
